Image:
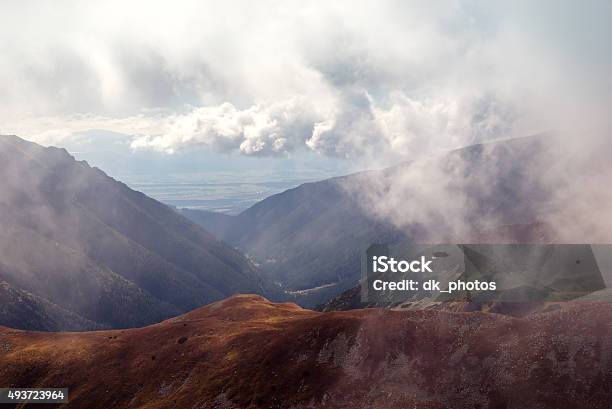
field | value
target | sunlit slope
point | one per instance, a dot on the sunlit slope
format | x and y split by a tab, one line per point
247	352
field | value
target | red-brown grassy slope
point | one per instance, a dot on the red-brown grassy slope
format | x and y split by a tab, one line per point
246	352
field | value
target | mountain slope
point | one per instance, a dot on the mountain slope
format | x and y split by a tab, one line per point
305	237
20	309
508	234
89	244
246	352
310	238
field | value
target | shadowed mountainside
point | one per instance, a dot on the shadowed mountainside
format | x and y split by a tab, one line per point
247	352
80	250
521	233
310	238
20	309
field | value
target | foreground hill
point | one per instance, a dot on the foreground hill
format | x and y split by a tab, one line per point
247	352
79	250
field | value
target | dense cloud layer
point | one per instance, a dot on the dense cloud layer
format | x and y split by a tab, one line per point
350	79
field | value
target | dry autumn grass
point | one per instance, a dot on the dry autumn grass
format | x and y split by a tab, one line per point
245	352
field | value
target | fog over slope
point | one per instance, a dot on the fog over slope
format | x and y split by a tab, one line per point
548	186
373	83
87	251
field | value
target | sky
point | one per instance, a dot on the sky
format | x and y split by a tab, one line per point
360	83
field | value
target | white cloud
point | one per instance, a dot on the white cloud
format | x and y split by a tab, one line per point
352	126
274	128
376	81
347	78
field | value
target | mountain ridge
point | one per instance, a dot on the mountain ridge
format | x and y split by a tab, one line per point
245	351
80	239
311	236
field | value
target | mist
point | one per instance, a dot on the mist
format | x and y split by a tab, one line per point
551	181
376	82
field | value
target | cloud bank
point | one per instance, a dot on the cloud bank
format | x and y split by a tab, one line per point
353	79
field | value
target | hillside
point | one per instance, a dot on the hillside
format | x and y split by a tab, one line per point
310	238
532	233
247	352
304	238
98	252
20	309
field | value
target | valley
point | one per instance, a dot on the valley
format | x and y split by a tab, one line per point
312	236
